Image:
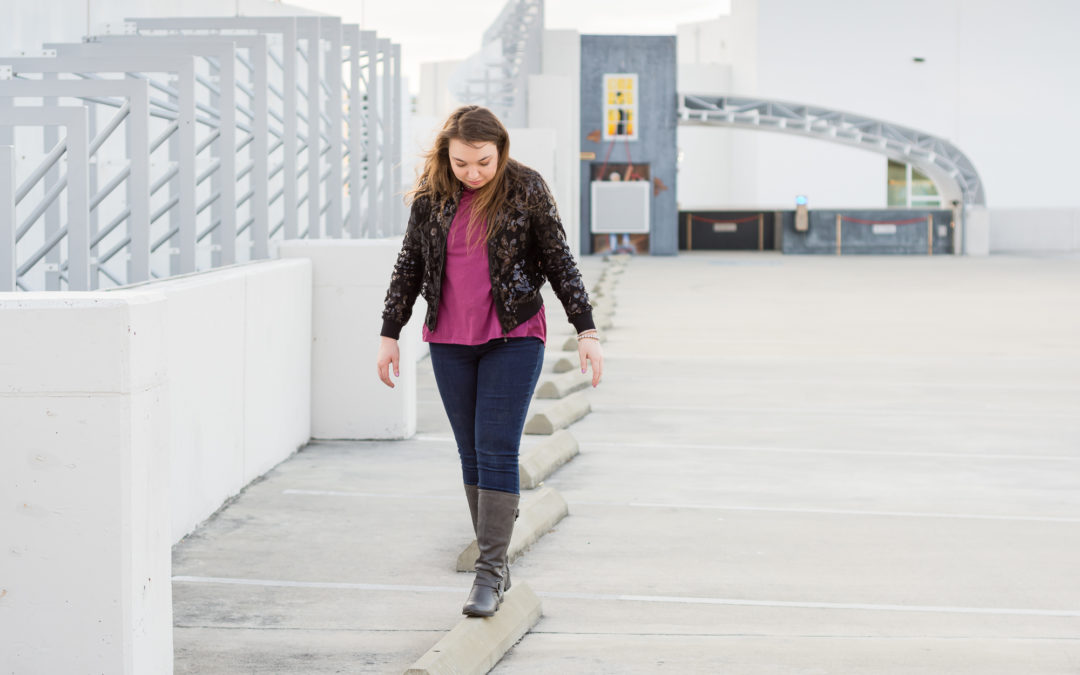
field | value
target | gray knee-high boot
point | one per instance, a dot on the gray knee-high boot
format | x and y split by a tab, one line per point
472	495
494	526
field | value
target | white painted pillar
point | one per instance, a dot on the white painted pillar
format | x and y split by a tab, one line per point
348	401
535	148
84	474
561	79
548	95
976	226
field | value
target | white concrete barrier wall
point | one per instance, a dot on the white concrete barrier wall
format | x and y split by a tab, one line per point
84	503
128	417
350	282
1034	230
239	363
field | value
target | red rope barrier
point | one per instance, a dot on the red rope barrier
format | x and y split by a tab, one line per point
729	220
911	221
629	163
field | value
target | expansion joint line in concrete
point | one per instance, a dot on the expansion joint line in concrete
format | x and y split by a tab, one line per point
726	507
834	451
662	599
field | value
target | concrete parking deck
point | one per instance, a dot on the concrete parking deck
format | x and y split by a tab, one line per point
793	465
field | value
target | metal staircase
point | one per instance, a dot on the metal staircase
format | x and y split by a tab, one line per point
497	76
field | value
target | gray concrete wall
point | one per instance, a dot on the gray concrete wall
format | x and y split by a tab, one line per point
862	239
653	59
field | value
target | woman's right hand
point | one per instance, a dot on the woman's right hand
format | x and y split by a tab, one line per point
388	354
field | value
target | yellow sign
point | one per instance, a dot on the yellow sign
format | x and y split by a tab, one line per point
620	106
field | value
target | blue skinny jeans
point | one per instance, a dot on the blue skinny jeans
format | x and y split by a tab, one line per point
486	390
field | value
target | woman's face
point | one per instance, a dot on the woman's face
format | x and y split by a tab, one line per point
474	165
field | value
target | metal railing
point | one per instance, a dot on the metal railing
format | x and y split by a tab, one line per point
192	143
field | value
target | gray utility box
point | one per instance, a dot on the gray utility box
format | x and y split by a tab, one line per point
619	207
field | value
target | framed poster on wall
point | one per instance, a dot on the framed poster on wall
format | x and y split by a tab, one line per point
620	106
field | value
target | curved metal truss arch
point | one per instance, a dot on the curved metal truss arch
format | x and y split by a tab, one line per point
943	162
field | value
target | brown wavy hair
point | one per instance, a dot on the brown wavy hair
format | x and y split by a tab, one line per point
474	125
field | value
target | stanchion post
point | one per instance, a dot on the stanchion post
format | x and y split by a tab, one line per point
7	218
839	218
929	234
78	202
761	231
689	231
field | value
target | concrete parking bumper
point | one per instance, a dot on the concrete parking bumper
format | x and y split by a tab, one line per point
474	645
540	511
541	460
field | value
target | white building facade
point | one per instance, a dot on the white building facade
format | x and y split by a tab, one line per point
998	79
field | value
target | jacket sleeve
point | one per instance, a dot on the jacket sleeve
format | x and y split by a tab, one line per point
557	263
408	275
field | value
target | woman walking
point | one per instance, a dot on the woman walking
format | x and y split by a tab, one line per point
483	236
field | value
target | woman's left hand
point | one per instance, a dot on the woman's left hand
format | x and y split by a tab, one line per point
590	352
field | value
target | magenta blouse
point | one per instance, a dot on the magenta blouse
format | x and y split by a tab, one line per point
466	309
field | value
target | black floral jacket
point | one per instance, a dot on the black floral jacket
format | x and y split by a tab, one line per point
529	247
